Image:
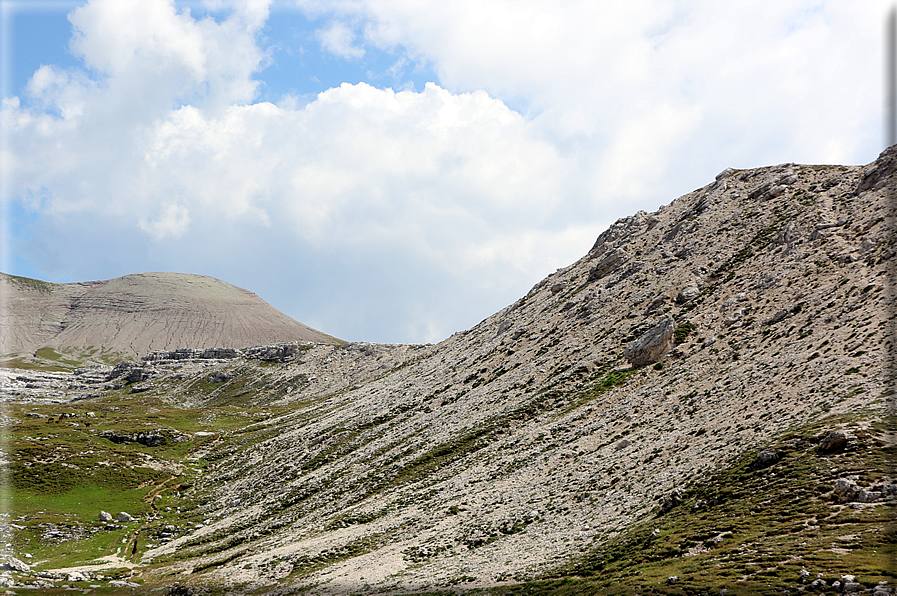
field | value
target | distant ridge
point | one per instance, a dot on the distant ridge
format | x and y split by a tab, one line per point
139	313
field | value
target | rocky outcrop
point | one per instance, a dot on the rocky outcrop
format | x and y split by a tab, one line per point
150	439
652	345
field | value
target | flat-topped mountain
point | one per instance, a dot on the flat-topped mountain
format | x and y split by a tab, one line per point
139	313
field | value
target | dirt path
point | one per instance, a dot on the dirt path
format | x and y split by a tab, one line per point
150	497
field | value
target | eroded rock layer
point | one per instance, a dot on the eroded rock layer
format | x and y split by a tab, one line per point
140	313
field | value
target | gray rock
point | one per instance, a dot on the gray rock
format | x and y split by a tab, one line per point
623	444
789	234
608	264
833	442
276	352
766	281
128	371
126	517
734	317
657	303
150	438
689	292
105	516
220	376
725	173
778	316
818	585
652	345
849	492
671	500
764	459
76	576
17	565
878	174
672	579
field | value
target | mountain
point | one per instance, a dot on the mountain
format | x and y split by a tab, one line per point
699	405
139	313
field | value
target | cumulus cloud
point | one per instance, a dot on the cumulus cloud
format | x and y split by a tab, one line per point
424	196
753	84
388	215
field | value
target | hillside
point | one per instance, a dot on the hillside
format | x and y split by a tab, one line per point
135	314
699	404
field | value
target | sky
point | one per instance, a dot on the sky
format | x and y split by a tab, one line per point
398	170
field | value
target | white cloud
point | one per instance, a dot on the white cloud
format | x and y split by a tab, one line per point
759	80
430	191
389	215
155	57
171	222
338	39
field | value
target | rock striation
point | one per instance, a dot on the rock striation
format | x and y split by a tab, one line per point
138	314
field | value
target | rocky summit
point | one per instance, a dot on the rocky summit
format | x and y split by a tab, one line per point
104	321
699	405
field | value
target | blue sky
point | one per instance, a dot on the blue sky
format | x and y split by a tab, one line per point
39	33
397	171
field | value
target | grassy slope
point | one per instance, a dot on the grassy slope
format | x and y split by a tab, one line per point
772	522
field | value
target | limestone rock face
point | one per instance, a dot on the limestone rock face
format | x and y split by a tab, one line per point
653	345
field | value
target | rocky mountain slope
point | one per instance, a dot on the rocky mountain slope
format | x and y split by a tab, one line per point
136	314
700	403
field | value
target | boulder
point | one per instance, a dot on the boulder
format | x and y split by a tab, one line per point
17	565
778	316
671	500
609	263
689	292
849	492
764	459
833	442
623	444
220	376
126	517
105	516
149	438
652	345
